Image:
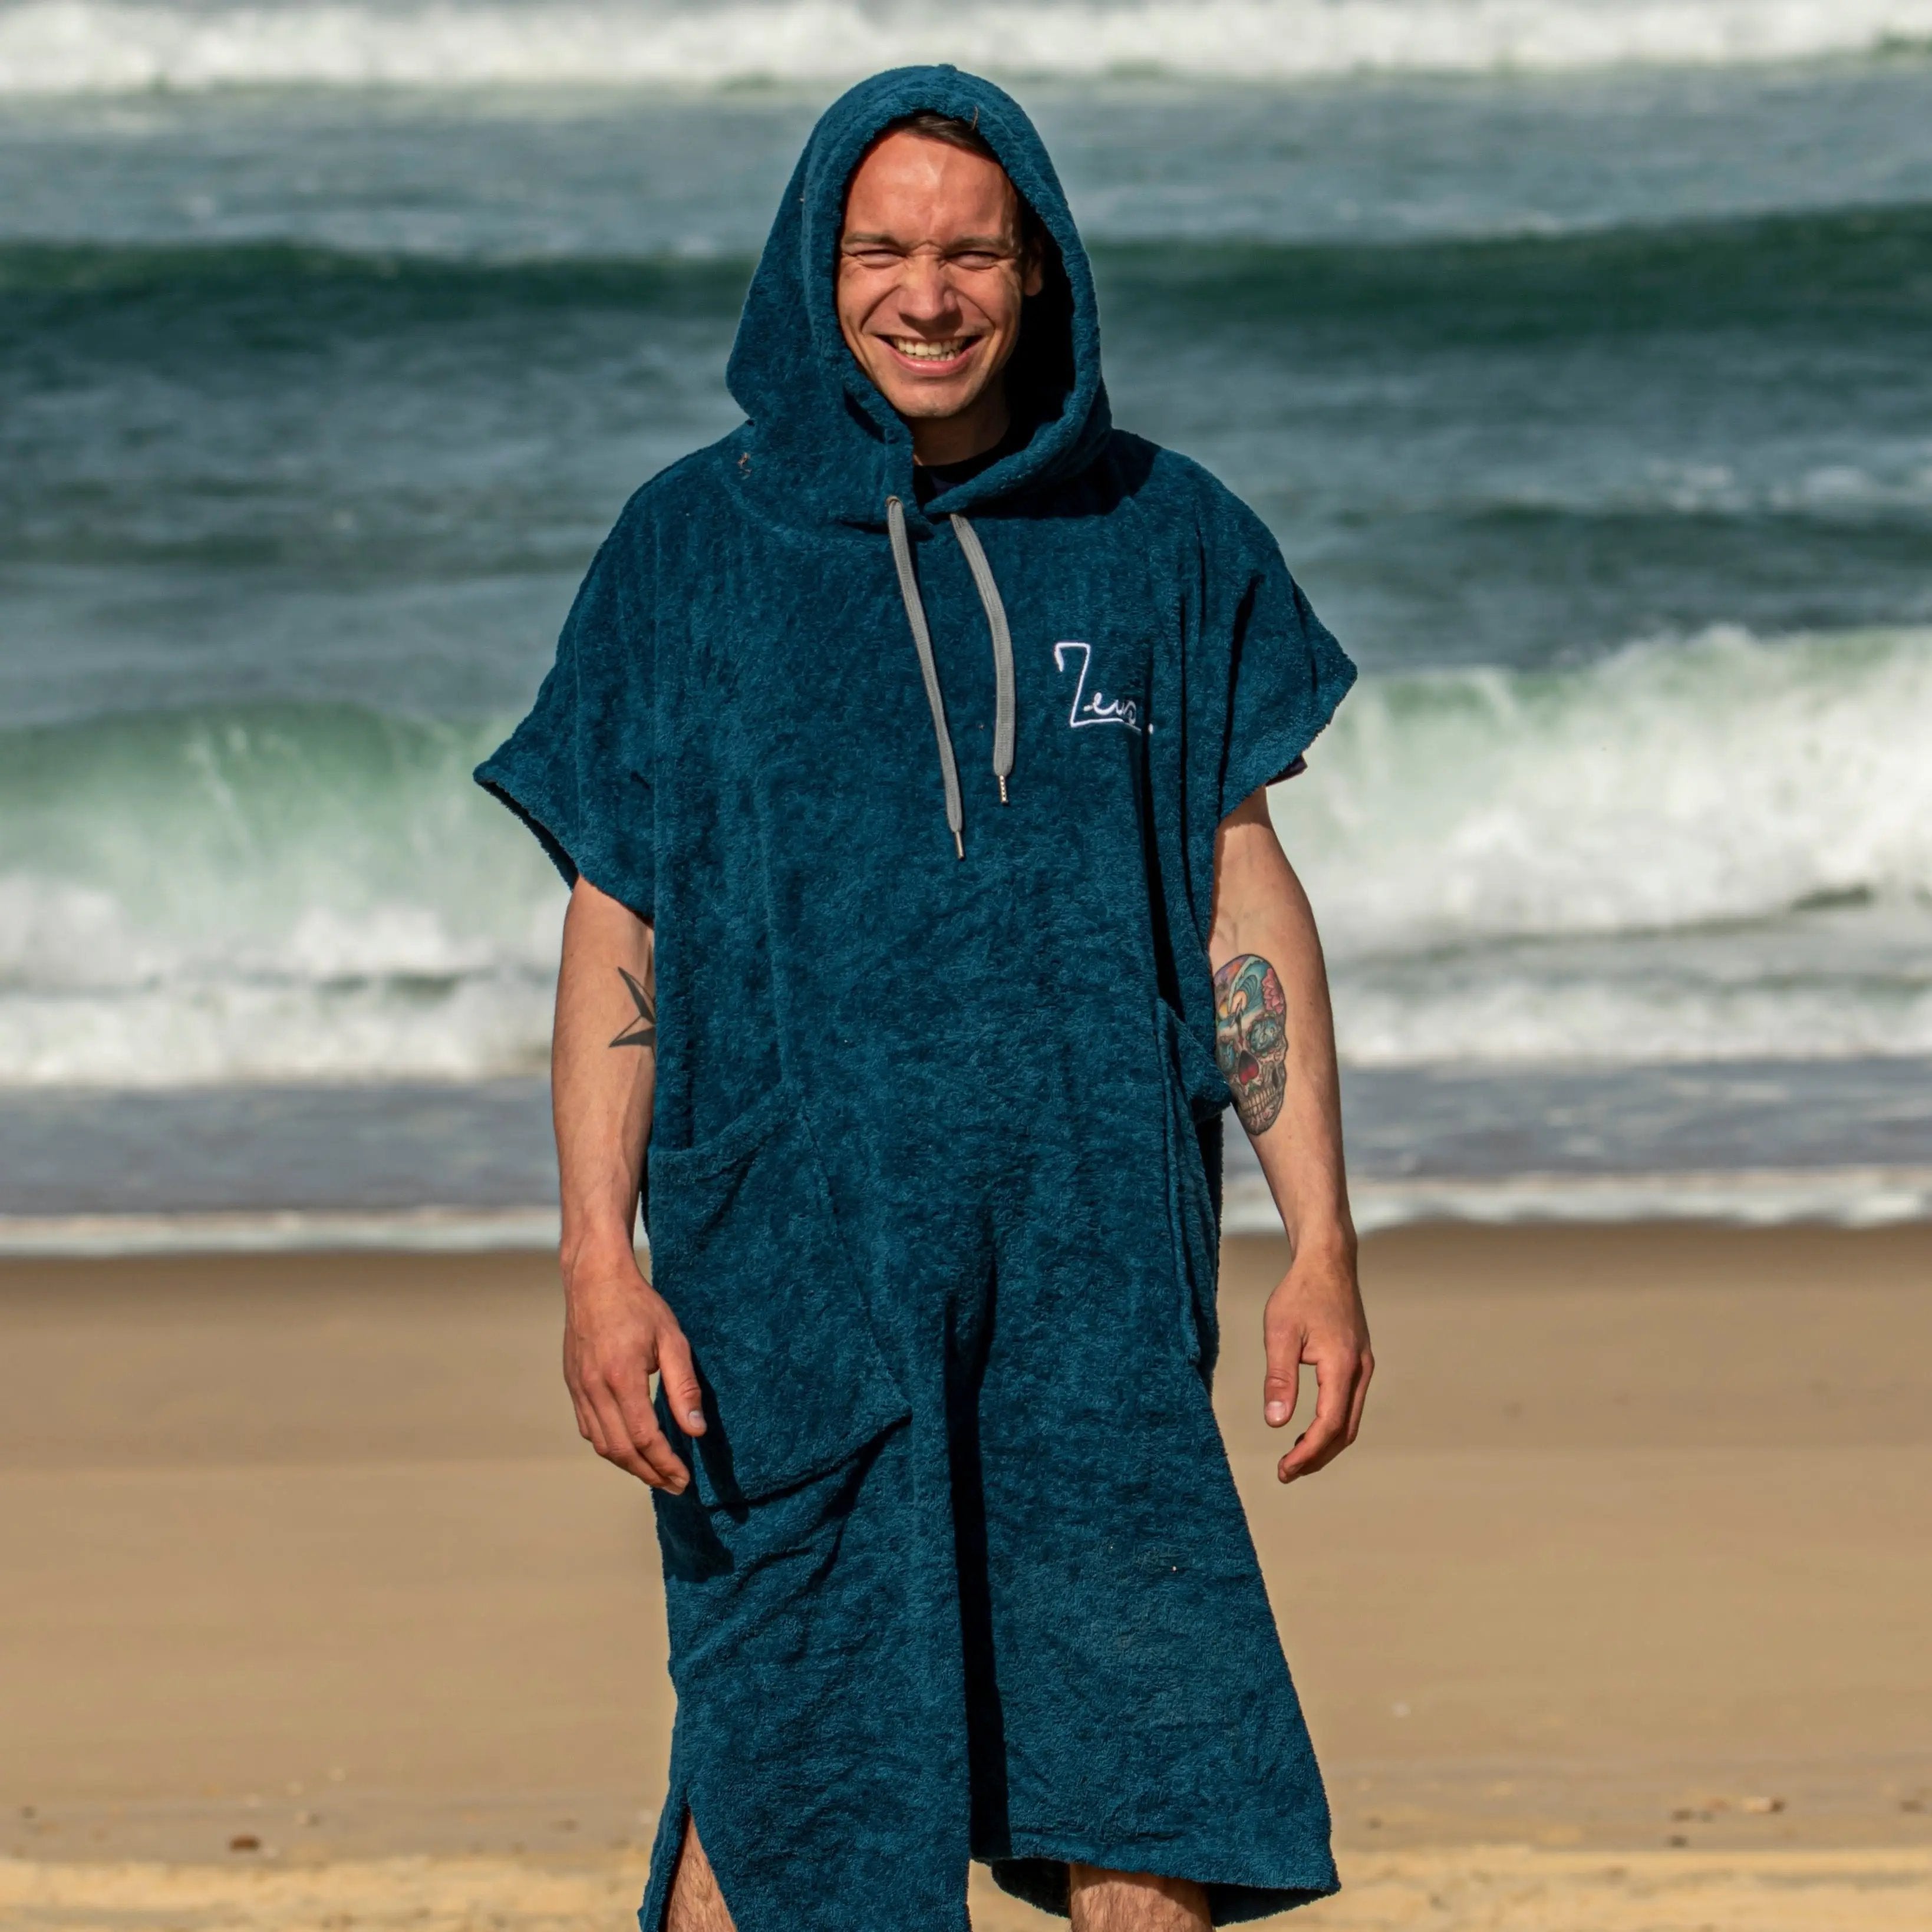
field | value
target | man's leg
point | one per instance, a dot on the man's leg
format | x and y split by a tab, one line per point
1111	1901
696	1905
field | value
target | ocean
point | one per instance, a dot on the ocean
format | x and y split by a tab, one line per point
1575	351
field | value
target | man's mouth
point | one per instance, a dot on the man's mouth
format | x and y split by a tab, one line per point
916	348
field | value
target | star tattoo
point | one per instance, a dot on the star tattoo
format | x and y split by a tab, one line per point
645	1033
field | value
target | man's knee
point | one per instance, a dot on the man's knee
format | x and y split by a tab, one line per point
1111	1901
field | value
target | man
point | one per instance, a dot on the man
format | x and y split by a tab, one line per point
905	752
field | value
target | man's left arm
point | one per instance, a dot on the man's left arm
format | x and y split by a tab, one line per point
1275	1040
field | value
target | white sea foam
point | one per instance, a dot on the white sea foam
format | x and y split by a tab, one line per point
1859	1197
1856	1197
1737	1008
1674	784
84	46
192	1029
317	894
97	990
1719	847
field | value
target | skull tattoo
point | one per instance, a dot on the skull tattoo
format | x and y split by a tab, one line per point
1251	1038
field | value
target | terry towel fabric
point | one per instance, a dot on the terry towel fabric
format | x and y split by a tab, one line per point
934	1175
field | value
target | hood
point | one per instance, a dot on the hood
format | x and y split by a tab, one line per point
822	434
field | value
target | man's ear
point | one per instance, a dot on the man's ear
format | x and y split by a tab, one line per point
1032	271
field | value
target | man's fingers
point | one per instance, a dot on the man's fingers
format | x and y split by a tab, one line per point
1281	1387
647	1439
1365	1370
587	1421
590	1423
682	1393
610	1436
1327	1435
638	1447
654	1446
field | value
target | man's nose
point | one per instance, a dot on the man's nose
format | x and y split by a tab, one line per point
925	293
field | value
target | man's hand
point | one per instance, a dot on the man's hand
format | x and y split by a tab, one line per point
617	1330
1315	1316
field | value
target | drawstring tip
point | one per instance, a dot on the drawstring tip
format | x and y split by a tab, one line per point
1002	791
958	846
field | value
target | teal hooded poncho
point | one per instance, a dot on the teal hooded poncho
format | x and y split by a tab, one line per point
922	802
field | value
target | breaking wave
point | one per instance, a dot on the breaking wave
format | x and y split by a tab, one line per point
1667	787
287	892
55	46
1717	847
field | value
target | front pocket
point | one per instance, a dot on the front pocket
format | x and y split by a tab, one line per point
745	1249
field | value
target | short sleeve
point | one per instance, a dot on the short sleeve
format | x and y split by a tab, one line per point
578	770
1274	671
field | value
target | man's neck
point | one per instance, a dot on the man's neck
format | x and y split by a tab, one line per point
939	440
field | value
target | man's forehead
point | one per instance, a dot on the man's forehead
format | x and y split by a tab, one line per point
911	187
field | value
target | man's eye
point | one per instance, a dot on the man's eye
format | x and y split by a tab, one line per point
976	258
873	258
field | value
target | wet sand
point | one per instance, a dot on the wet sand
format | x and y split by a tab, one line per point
1615	1618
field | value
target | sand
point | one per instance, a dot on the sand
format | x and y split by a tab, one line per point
1614	1618
1492	1888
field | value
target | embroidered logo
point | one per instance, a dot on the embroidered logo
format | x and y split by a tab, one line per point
1094	706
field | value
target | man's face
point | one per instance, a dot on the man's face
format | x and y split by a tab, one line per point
932	274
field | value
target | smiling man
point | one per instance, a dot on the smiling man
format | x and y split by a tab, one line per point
937	259
906	753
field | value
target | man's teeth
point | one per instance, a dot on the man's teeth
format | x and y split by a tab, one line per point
922	351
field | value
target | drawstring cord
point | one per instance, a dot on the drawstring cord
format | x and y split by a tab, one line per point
922	638
1004	705
1002	650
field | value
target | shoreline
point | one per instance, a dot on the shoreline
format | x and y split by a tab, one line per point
1848	1197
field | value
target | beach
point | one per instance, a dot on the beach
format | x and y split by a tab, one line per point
1574	354
318	1613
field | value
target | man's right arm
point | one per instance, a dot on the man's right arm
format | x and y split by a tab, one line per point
617	1330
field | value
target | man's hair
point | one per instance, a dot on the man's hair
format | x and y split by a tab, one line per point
932	125
935	126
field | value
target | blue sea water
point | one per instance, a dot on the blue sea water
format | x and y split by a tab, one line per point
1582	378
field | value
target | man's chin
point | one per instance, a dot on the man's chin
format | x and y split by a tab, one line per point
932	402
930	409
